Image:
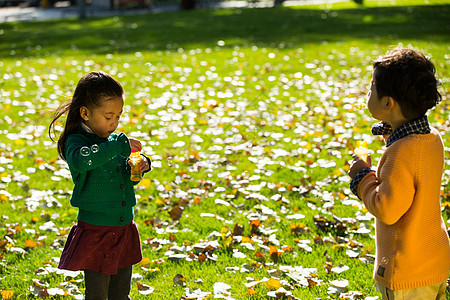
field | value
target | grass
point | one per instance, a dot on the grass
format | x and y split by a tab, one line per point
264	101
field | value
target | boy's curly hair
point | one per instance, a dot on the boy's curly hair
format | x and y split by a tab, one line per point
409	77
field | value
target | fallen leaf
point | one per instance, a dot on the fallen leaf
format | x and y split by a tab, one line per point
144	289
7	295
274	253
175	214
251	292
272	284
179	280
238	230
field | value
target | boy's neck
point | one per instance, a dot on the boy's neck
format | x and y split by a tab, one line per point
394	116
397	123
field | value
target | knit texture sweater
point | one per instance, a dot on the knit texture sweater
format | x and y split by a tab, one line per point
412	244
103	191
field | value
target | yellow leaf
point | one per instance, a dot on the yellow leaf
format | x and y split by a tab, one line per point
3	198
247	240
145	183
337	246
227	238
251	292
160	202
7	295
272	284
145	262
337	172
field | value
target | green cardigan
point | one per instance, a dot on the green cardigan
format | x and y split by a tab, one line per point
103	191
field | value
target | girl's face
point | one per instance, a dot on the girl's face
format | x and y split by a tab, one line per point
103	120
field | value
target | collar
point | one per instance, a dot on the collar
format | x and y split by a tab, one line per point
417	126
86	128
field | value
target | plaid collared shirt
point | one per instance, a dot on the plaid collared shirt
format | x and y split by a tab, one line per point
417	126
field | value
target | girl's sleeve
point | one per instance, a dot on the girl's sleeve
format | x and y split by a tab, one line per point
389	193
82	157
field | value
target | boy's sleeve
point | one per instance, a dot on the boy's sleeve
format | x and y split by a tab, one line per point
354	183
389	194
82	157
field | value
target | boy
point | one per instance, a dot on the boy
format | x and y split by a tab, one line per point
412	244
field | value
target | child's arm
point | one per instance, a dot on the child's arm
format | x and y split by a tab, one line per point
389	194
82	158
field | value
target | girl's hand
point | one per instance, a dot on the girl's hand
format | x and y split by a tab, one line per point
135	145
144	164
358	164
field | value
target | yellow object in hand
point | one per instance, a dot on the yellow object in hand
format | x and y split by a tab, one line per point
135	163
361	150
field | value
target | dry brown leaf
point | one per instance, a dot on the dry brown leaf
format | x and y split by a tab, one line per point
254	225
238	230
175	214
274	253
259	255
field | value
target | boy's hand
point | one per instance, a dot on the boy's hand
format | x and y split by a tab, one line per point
135	145
358	164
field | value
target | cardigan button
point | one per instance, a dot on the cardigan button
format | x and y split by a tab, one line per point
122	219
124	203
122	186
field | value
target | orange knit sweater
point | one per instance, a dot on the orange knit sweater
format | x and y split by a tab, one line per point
412	244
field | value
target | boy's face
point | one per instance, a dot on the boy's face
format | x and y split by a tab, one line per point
103	120
374	104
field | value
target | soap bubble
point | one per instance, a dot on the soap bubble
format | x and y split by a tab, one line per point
84	151
94	148
150	66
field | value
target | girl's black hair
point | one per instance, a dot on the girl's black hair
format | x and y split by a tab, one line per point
89	91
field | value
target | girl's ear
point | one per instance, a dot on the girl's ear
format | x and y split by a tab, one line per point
84	113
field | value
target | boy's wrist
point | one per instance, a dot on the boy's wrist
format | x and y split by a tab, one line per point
354	183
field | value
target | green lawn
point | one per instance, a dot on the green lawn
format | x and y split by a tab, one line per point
249	115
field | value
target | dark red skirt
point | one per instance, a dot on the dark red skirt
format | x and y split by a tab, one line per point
102	249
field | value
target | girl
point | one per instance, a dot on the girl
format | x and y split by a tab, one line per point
105	241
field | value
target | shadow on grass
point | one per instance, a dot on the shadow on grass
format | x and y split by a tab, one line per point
291	27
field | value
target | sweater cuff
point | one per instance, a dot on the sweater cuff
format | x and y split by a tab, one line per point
357	179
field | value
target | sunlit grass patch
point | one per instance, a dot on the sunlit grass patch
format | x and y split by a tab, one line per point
249	116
